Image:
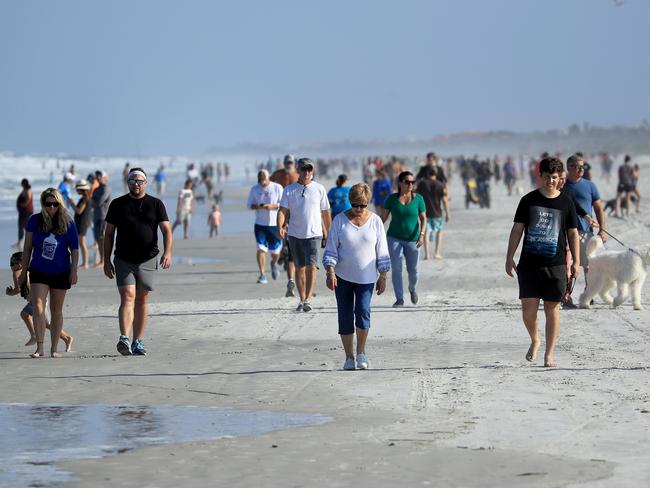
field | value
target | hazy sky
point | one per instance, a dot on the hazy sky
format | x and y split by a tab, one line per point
154	76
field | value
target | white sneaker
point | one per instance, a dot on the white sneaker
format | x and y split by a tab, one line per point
362	361
349	364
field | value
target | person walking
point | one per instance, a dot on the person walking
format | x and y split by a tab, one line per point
587	196
547	219
83	217
214	220
185	208
286	176
305	207
339	196
101	199
132	222
626	186
25	208
50	256
405	234
264	200
161	180
381	188
435	200
356	261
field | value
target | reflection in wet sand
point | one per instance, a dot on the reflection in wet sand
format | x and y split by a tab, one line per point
36	437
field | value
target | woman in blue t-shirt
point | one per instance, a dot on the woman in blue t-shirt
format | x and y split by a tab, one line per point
50	255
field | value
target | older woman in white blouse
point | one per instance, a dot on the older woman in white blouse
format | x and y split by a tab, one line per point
356	259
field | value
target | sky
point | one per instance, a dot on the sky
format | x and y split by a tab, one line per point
178	77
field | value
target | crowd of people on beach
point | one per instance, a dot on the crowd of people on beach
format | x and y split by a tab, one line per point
295	216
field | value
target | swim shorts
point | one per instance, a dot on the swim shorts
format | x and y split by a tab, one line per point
548	283
267	238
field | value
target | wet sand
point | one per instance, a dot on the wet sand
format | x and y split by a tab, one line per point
449	401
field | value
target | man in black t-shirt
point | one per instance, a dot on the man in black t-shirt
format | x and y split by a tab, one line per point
136	216
547	220
435	199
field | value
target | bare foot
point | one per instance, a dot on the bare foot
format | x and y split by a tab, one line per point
31	341
68	343
99	264
85	266
531	355
55	354
437	256
548	362
426	258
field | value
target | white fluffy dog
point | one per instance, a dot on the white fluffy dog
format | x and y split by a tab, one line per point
608	269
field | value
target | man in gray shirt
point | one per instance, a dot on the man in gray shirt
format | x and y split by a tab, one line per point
101	198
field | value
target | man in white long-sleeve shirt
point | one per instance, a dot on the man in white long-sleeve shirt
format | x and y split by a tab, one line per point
304	205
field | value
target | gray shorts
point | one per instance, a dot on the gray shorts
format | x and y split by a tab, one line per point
304	251
140	275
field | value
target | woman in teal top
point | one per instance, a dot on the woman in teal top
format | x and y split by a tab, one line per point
405	234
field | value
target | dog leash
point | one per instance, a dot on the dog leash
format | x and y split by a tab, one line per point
626	247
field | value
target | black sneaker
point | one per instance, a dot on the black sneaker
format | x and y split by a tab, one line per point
124	346
414	298
398	303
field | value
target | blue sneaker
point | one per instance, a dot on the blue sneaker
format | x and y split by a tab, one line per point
262	280
138	348
124	346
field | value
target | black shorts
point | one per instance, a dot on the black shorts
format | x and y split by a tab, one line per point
547	283
59	281
624	188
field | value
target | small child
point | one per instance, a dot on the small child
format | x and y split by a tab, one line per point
214	220
27	313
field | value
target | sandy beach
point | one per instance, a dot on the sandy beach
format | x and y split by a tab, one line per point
449	400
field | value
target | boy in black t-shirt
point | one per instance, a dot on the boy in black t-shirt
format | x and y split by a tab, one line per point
547	220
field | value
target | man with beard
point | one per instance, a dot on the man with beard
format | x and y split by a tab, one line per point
136	217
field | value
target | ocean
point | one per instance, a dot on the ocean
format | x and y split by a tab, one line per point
43	172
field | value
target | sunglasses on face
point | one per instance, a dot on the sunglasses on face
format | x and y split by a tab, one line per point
307	169
136	182
409	182
51	204
358	205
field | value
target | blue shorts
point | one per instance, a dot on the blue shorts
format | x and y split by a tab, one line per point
434	225
353	304
267	238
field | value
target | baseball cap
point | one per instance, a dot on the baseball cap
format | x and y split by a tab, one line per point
305	162
289	158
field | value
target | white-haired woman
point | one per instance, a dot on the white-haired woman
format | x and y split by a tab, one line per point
356	259
50	254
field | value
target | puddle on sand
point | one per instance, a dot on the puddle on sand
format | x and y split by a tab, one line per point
36	437
194	260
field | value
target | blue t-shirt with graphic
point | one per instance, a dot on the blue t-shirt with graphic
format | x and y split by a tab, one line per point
546	221
339	198
586	194
51	252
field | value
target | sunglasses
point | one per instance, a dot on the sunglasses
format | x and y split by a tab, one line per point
51	204
136	182
580	167
358	205
409	182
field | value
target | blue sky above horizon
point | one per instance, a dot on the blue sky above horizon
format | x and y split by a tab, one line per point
171	77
